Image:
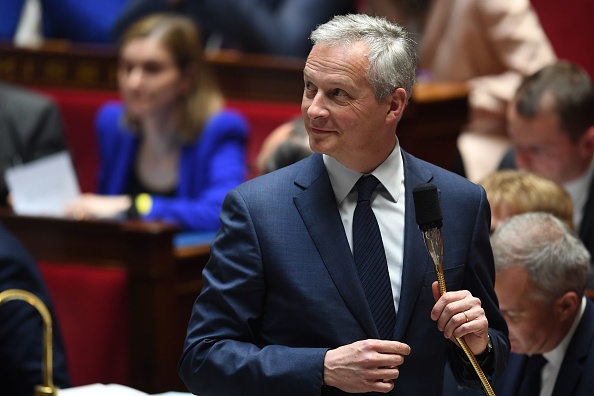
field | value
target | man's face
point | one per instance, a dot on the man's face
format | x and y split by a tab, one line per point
341	114
533	325
544	148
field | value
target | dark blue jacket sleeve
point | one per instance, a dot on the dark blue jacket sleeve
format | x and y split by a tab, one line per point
21	329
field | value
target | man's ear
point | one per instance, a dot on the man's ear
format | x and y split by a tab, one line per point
397	100
567	304
587	141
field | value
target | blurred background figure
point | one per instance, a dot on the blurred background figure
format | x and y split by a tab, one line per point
273	27
286	144
490	45
551	125
541	275
512	192
169	151
30	128
30	22
21	326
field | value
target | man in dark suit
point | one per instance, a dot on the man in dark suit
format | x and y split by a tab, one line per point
551	125
30	128
542	270
21	326
283	310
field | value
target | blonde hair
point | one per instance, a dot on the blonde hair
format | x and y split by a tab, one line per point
180	36
520	191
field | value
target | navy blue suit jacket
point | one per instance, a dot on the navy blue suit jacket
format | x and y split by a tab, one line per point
281	287
21	327
575	376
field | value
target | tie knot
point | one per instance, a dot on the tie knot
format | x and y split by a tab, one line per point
366	185
537	361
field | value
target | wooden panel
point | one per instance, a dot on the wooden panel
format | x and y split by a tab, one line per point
242	76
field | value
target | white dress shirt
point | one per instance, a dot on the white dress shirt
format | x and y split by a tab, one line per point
555	357
579	190
387	203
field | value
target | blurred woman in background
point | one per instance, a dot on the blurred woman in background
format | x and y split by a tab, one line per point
169	151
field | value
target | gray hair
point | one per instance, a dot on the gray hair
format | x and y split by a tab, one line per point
391	52
555	259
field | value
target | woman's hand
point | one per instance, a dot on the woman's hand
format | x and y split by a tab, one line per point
93	206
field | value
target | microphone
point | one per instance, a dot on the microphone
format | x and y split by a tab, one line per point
430	220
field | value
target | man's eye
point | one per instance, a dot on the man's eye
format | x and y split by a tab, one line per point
309	88
338	92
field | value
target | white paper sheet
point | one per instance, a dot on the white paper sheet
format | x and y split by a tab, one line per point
43	187
111	390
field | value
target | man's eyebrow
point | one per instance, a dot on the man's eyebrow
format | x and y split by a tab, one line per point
339	82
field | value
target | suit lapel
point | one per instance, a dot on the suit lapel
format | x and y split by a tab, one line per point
317	207
572	367
586	232
416	259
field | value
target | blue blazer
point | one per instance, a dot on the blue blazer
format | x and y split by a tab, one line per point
209	167
21	327
281	287
575	376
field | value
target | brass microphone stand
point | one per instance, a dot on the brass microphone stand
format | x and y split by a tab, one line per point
47	388
434	245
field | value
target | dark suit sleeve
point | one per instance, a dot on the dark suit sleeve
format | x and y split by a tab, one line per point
226	351
479	279
34	122
21	325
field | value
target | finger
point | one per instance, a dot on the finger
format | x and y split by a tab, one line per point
392	347
435	290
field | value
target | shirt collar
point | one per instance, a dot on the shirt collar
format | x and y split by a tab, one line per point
390	173
556	355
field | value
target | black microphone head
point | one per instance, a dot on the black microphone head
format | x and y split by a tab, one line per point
427	208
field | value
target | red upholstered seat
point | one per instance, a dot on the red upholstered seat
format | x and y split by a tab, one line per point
571	31
91	306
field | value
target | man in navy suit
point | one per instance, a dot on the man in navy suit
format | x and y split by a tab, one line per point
21	326
542	270
282	310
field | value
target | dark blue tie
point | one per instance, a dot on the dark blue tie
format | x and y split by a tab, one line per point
370	258
530	384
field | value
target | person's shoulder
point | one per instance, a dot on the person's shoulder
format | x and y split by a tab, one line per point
109	116
18	96
229	118
11	250
281	179
110	109
425	169
446	180
225	124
